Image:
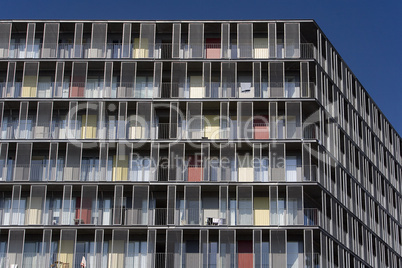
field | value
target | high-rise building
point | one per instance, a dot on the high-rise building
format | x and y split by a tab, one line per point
168	144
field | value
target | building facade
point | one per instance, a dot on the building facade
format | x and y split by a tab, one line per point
191	144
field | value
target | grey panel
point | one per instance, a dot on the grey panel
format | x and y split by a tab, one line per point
10	84
5	34
245	40
245	120
272	40
276	160
126	40
176	162
278	248
43	121
179	80
157	80
59	80
225	39
127	78
78	79
293	120
207	78
30	47
276	79
50	40
228	80
108	80
15	247
257	79
23	161
147	40
292	40
78	49
98	41
196	40
72	168
176	37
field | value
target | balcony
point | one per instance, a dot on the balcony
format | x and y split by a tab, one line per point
168	90
204	217
240	260
157	51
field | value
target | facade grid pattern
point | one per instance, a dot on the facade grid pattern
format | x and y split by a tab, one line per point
191	144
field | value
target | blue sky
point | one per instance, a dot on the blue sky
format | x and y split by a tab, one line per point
367	34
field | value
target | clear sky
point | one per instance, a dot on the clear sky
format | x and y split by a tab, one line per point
367	34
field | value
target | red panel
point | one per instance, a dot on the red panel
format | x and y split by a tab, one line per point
85	211
78	87
245	254
195	173
261	132
213	47
261	127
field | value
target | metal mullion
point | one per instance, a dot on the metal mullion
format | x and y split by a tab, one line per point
174	26
221	80
140	40
92	38
203	52
237	206
82	197
236	93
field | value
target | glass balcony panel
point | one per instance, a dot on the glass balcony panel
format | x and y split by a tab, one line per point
15	248
67	248
50	40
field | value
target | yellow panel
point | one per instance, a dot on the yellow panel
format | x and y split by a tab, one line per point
261	211
120	168
140	52
66	252
136	48
35	211
88	131
144	48
211	126
29	86
116	258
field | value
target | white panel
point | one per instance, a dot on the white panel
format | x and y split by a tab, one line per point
292	40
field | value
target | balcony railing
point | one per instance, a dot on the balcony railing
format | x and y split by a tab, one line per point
161	259
165	90
91	171
157	51
203	217
311	217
